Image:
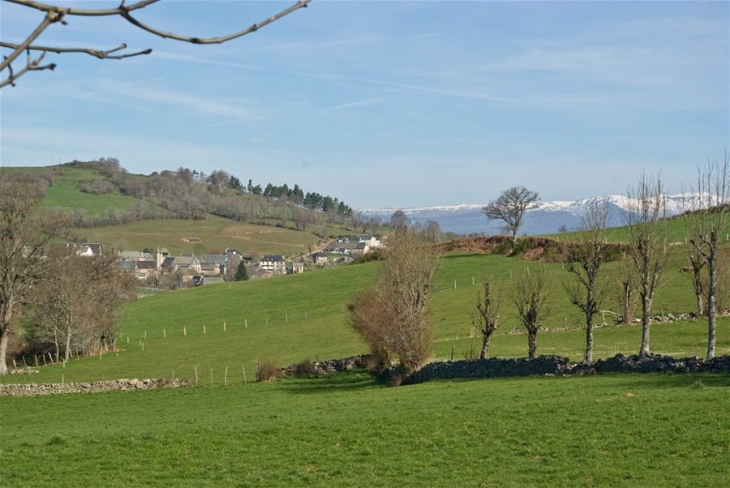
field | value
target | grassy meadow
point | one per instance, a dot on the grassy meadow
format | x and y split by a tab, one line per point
231	326
201	236
346	430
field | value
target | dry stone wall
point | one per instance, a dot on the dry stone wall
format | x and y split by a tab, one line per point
554	365
37	389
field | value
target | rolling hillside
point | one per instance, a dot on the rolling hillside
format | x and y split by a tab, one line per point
290	318
69	190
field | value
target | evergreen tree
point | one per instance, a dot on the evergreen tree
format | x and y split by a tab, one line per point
241	273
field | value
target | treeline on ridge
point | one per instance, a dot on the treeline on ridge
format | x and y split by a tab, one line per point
190	194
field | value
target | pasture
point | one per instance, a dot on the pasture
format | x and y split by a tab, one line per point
346	430
230	327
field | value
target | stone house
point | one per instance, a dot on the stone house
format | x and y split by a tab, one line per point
274	264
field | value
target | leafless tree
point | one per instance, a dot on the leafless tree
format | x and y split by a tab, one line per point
399	220
645	220
432	231
374	223
392	318
706	227
587	290
77	306
510	208
25	236
486	316
531	293
55	14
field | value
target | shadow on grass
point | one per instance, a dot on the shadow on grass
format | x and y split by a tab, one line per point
333	382
670	380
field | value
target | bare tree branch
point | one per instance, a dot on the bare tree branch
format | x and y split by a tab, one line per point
43	7
97	53
47	20
55	13
211	40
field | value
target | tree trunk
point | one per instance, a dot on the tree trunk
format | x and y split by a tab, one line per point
711	315
5	316
3	351
589	338
645	325
67	352
700	309
626	304
485	346
532	344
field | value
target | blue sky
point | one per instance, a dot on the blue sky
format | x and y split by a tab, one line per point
388	104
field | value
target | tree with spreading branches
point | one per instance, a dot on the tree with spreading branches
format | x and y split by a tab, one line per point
486	316
530	297
648	251
55	14
709	203
587	256
26	235
510	208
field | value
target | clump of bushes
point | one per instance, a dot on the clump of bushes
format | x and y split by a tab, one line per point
267	371
306	368
376	255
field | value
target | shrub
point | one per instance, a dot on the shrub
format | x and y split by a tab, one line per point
267	371
305	368
391	318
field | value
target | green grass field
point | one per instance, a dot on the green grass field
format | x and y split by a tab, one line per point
200	236
346	430
288	319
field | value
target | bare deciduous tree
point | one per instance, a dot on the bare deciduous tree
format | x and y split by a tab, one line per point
706	227
392	318
531	292
25	235
586	291
55	14
432	231
645	221
486	316
76	307
510	208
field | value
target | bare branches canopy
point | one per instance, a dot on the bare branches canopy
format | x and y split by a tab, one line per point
25	236
648	245
710	206
486	316
587	288
530	296
510	207
391	318
55	14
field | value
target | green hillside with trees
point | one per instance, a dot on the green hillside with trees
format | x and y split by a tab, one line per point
188	211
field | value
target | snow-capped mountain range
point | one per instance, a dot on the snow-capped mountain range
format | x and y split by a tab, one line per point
544	218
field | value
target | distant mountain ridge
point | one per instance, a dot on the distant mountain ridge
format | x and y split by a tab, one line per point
545	218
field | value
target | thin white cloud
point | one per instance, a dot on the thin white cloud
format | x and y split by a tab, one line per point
361	103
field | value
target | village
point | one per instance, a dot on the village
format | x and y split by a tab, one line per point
159	269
